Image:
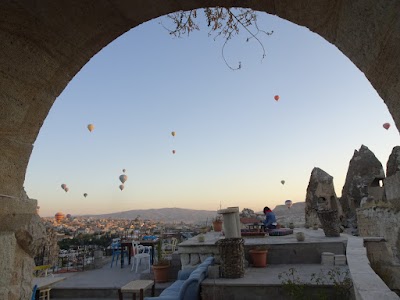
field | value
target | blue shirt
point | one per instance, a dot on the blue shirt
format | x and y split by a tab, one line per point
269	218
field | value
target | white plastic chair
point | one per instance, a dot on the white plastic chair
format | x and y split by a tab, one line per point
139	254
169	248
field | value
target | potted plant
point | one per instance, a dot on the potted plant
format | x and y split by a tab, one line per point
258	256
201	238
300	236
217	223
161	266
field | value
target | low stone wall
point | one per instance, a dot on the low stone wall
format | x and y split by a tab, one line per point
383	222
381	258
282	249
384	254
367	284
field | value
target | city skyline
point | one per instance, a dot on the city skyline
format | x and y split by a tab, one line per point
234	142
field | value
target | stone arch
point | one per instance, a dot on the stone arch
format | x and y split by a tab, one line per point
44	45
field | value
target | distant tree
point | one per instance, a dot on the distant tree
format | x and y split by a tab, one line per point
224	22
247	213
85	239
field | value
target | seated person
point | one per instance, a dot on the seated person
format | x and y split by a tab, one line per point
270	219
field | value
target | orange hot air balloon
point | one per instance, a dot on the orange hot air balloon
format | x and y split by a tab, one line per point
121	187
90	127
386	126
173	133
59	216
173	151
276	97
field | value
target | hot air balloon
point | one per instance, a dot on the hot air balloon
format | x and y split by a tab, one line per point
90	127
283	182
63	186
66	189
173	151
121	187
276	97
288	203
68	216
123	178
59	216
173	133
386	126
85	195
123	170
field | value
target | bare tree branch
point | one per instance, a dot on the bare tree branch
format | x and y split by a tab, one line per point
222	21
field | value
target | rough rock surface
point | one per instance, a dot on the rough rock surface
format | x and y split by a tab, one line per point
393	164
392	180
295	214
320	195
22	233
48	251
362	180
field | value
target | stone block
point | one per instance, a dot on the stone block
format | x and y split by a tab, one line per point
327	258
213	272
203	257
194	259
185	259
340	260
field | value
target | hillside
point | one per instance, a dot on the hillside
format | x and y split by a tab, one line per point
176	215
168	215
295	214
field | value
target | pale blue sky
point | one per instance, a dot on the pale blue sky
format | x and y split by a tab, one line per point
234	143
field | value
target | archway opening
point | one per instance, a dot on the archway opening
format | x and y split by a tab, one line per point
142	94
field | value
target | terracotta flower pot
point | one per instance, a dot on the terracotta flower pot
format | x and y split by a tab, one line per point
160	273
259	258
217	225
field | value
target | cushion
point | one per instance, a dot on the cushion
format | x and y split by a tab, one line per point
198	272
280	231
173	290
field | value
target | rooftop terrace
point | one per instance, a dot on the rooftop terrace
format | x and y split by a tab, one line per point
285	253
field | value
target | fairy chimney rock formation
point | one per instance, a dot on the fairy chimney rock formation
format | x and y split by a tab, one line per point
393	164
362	181
392	181
320	195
